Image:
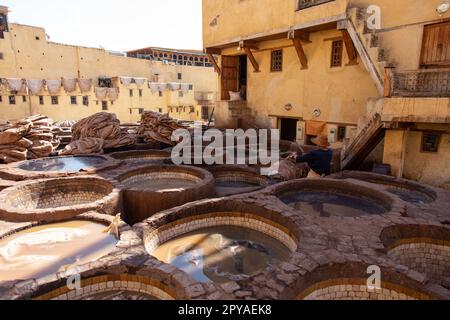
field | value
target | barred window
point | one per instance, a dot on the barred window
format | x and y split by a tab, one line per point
41	100
336	53
55	100
104	105
73	100
12	99
86	101
277	61
430	142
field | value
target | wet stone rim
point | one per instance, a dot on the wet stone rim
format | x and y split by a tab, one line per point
13	171
142	155
388	183
107	200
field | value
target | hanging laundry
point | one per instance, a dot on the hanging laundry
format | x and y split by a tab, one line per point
53	86
35	86
101	93
85	85
184	87
15	84
162	86
174	86
70	85
153	86
113	94
140	81
126	81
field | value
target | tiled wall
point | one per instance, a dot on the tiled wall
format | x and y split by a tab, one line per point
428	256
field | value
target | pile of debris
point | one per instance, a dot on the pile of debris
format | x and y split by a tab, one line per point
157	127
30	138
96	133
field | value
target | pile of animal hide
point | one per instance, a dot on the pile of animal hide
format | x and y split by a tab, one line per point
96	133
158	127
289	170
30	138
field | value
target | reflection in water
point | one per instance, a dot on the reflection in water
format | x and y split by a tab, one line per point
411	196
326	204
43	250
224	188
61	164
221	254
155	183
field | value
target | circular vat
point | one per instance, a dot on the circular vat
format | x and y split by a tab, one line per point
326	198
231	180
222	241
409	191
57	199
350	281
151	189
423	248
143	155
43	249
57	167
121	287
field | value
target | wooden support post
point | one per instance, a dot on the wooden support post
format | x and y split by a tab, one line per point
213	61
388	78
300	53
249	54
350	47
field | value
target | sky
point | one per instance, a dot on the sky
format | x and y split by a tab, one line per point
114	24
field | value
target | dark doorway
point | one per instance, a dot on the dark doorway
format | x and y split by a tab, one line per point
289	129
243	76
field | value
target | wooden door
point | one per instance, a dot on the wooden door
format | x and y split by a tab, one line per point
436	46
229	76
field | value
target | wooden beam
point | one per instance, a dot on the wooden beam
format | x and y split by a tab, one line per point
216	51
249	54
299	34
388	78
300	53
214	62
350	47
249	44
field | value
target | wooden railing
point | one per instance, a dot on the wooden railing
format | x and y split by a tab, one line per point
417	83
303	4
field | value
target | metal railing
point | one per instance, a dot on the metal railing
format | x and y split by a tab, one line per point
418	83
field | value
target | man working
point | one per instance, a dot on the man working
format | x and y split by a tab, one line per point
319	161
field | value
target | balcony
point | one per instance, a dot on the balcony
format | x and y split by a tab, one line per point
418	83
304	4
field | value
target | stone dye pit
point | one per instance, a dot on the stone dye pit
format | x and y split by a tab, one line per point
422	248
57	167
151	189
409	191
221	246
219	254
43	250
57	199
326	198
232	180
143	155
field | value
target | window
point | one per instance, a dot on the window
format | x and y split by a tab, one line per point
73	100
24	99
41	100
342	133
140	92
277	61
1	99
205	113
430	142
141	110
104	105
304	4
2	56
336	53
86	101
55	100
191	87
160	93
180	94
131	92
180	76
12	99
160	110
